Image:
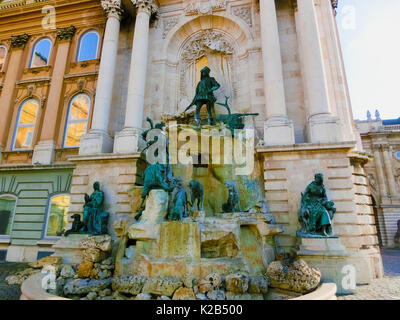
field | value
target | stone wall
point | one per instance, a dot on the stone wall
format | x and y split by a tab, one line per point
116	174
288	171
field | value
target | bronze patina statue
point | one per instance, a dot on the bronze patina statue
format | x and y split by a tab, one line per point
94	219
316	212
204	95
233	202
177	207
196	194
77	225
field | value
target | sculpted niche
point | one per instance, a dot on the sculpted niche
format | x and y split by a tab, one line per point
206	48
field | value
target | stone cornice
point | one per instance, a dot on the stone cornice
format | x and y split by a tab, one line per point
18	4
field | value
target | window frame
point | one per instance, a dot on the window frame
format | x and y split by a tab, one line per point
47	216
4	236
33	52
5	57
68	121
80	45
17	125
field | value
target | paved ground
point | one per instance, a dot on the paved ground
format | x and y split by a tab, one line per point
387	288
10	292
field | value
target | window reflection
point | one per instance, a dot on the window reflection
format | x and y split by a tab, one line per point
88	46
41	53
7	210
3	54
25	128
57	216
78	116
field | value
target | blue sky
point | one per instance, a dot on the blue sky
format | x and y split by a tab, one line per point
369	34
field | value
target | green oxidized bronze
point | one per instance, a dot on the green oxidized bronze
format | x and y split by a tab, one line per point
316	212
204	95
233	202
177	206
95	220
196	194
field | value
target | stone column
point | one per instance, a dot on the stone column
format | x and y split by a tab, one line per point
98	139
389	171
127	140
278	130
380	173
15	66
44	150
323	127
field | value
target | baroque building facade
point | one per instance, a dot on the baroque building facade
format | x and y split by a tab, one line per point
73	107
381	140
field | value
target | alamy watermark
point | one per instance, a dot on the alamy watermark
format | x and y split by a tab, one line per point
204	146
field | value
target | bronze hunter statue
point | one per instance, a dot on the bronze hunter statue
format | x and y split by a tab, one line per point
316	212
204	95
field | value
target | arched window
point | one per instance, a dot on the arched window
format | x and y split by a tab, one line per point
77	120
25	127
57	216
88	46
3	55
7	211
41	53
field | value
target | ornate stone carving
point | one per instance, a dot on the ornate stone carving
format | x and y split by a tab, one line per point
244	13
19	41
66	34
112	8
145	5
168	24
203	8
203	42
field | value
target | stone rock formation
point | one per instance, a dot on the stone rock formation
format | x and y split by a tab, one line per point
162	286
128	284
298	276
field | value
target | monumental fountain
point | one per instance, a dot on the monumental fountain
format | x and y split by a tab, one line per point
200	226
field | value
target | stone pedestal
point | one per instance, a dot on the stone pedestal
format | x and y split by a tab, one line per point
179	240
69	248
278	132
127	141
324	129
329	256
96	142
43	153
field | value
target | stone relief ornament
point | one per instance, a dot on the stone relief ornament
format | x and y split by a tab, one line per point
112	7
244	13
204	7
206	40
168	24
19	41
66	34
